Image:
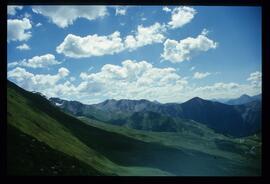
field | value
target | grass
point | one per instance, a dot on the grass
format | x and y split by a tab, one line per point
28	156
26	112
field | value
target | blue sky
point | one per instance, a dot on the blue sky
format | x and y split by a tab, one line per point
169	54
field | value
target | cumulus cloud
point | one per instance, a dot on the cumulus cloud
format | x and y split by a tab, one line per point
64	16
72	79
27	15
132	80
143	19
120	11
13	9
95	45
37	61
226	90
23	47
255	79
12	64
219	90
220	86
91	45
63	72
145	36
192	68
39	82
181	16
18	29
166	9
200	75
38	24
179	51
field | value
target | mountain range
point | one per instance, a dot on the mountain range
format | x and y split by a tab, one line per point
234	120
244	99
240	100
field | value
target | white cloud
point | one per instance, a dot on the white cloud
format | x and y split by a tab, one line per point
120	11
67	90
192	68
227	90
143	19
12	64
223	90
91	68
185	49
133	80
255	79
255	76
130	80
20	75
181	16
166	9
63	16
95	45
37	61
17	29
27	15
63	72
200	75
23	47
92	45
137	80
219	90
41	82
38	24
72	79
13	9
219	87
145	36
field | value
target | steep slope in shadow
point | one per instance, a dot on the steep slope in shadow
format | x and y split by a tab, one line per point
24	113
37	158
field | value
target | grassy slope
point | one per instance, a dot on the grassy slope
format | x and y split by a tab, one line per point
34	116
28	156
111	151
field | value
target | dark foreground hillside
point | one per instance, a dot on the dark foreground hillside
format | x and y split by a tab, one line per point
28	156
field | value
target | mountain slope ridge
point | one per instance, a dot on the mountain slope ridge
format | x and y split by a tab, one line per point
223	118
43	127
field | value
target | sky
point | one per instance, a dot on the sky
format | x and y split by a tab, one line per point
162	53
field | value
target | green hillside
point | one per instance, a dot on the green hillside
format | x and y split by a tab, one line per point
28	156
33	115
100	149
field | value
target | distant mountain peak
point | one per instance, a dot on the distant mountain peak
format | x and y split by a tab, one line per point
243	99
144	100
196	99
156	102
109	100
245	96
